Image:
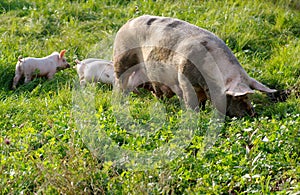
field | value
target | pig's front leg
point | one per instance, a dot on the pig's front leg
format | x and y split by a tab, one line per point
188	93
27	78
50	76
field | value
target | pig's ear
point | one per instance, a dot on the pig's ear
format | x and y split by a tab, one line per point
77	61
254	84
239	90
62	53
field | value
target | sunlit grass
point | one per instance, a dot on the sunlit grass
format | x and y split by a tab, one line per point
44	150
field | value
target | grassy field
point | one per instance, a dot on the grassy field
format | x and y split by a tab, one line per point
57	138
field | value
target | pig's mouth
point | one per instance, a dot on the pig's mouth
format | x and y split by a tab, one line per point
239	112
61	68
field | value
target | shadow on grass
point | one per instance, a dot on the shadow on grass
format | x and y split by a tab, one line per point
39	85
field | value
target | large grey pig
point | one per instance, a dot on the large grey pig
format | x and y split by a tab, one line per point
95	70
190	61
46	66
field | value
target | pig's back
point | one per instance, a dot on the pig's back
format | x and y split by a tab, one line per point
100	70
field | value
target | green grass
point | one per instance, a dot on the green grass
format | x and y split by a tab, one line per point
50	146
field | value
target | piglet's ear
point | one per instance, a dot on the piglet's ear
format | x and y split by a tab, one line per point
77	61
239	90
62	53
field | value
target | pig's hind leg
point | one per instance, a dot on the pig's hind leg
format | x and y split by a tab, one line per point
16	80
18	75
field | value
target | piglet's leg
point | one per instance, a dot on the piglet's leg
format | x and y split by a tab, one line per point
27	78
82	82
50	76
16	80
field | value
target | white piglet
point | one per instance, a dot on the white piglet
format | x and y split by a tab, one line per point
95	70
46	66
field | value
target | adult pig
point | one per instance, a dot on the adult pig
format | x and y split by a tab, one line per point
192	62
